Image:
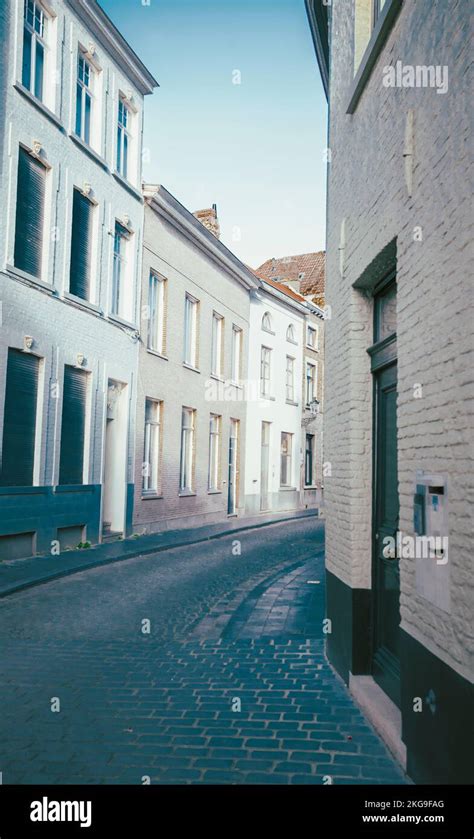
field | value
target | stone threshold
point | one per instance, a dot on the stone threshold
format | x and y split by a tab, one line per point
382	713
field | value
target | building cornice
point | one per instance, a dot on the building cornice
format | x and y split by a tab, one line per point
302	307
100	25
169	208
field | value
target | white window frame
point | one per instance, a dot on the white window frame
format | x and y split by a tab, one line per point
124	139
86	92
121	273
217	344
267	323
214	453
290	334
190	330
312	329
156	311
152	449
288	457
186	466
37	37
265	371
290	379
237	337
314	380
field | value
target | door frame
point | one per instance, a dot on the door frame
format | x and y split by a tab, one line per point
383	355
232	486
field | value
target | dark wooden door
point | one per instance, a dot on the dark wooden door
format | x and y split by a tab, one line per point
386	640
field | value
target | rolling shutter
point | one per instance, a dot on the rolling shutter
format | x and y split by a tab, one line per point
29	214
19	429
71	462
79	277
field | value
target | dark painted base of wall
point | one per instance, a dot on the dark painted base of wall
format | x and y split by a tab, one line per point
348	644
440	738
32	518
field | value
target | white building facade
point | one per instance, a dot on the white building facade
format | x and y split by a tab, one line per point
273	450
70	256
191	413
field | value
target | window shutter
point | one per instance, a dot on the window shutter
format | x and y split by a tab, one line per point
29	214
18	450
71	460
79	276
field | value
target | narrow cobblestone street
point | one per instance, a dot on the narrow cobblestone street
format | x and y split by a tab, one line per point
230	685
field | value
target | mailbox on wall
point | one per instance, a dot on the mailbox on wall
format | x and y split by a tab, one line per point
430	523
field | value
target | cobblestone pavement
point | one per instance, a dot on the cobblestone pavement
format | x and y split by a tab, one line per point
244	695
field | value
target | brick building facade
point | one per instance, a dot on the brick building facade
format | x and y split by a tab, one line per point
399	371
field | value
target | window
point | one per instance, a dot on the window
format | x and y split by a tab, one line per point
34	48
290	334
286	452
310	382
190	331
156	306
151	455
265	365
385	312
123	138
236	353
214	453
30	201
378	6
290	379
186	469
121	238
73	426
267	322
312	337
85	81
309	459
19	425
81	246
217	344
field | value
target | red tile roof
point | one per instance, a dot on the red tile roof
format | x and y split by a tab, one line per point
308	268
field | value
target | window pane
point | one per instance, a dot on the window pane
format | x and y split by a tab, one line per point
125	156
385	313
29	214
87	118
39	70
26	70
78	109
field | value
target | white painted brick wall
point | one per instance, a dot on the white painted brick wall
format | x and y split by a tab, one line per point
367	188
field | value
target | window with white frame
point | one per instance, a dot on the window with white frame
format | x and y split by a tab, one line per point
151	455
217	344
290	334
124	121
30	214
236	353
186	470
290	379
84	98
214	452
286	458
310	382
120	270
156	313
35	31
265	371
312	337
267	322
190	330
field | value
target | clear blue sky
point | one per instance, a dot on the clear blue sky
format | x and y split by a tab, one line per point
255	148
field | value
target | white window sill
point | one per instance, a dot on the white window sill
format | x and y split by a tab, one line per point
128	186
214	492
29	278
267	398
186	493
191	367
81	303
151	496
292	402
89	151
37	103
217	377
121	321
157	353
287	489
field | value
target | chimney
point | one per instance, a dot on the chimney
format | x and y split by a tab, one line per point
209	219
